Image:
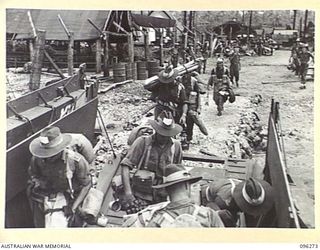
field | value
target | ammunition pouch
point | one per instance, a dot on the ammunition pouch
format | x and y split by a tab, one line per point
142	182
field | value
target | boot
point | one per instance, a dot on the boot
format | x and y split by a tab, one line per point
303	86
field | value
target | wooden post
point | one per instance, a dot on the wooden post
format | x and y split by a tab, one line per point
70	53
98	55
185	44
203	38
161	47
190	20
185	18
146	45
211	45
37	60
294	19
300	27
305	24
106	55
30	48
175	39
130	48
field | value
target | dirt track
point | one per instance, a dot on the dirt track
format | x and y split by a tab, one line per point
296	110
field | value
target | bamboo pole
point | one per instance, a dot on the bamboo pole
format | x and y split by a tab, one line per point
37	60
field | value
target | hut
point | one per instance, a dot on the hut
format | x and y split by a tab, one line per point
20	35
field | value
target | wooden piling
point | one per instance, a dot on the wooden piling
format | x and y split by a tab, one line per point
37	60
70	53
146	45
98	55
161	47
30	43
130	47
106	55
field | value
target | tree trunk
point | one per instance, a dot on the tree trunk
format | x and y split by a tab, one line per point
37	60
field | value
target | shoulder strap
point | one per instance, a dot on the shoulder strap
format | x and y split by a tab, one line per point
146	151
174	149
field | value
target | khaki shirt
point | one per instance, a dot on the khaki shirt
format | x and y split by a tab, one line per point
159	157
53	175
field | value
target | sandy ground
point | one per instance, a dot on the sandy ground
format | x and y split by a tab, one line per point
122	107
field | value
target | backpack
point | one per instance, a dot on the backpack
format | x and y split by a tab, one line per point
137	132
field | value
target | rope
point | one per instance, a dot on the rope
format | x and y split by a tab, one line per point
21	117
105	130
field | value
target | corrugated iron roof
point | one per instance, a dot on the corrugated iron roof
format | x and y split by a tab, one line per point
76	20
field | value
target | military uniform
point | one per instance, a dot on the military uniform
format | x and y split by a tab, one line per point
48	178
167	214
304	64
218	196
193	94
170	97
234	67
146	154
218	84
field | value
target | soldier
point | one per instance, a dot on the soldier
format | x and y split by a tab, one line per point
170	95
180	211
231	196
304	57
205	55
235	66
175	55
147	158
193	91
56	172
220	80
